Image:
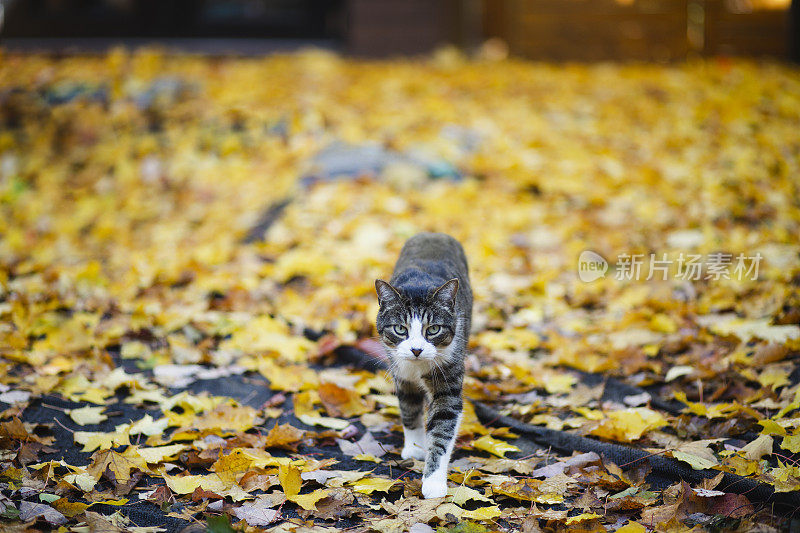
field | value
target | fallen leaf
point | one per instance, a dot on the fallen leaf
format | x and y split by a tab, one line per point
87	415
494	446
29	511
758	448
256	515
697	454
366	445
630	424
368	485
308	501
290	480
560	467
284	436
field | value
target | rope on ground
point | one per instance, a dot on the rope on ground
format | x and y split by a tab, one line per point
561	441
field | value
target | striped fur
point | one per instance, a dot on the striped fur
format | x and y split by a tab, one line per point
424	322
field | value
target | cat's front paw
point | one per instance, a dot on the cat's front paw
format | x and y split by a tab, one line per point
413	451
434	486
414	443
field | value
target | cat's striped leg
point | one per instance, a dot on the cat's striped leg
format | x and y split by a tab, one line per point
412	400
444	419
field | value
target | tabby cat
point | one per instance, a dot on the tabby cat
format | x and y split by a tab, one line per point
424	321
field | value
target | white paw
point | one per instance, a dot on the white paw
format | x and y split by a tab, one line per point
414	443
434	487
413	451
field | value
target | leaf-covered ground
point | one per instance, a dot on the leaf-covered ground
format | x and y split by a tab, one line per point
188	244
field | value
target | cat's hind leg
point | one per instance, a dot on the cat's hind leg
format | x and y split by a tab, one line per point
412	401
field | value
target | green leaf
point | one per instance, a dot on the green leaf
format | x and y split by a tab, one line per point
219	524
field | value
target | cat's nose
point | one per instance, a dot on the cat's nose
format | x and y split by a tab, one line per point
416	351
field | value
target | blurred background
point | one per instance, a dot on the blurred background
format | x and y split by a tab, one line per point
553	30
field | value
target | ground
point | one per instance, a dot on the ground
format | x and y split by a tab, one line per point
188	247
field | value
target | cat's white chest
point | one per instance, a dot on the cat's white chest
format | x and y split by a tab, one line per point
411	370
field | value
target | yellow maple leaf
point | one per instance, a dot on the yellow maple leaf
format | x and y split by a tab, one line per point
771	427
289	477
791	443
117	503
632	527
697	454
308	501
93	440
265	334
583	517
228	467
366	457
461	494
82	480
758	448
630	424
470	425
227	417
776	375
262	458
87	415
160	453
147	426
482	513
135	350
494	446
188	484
324	421
119	464
368	485
558	383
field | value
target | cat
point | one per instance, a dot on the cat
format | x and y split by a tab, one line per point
424	322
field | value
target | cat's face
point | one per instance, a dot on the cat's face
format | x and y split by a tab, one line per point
417	328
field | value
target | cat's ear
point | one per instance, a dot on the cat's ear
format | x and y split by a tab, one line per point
447	292
386	293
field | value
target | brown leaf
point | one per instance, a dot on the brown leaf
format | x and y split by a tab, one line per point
712	482
200	494
274	401
125	488
160	495
338	504
327	344
732	506
342	403
115	465
98	522
254	480
29	452
14	429
68	508
769	353
284	436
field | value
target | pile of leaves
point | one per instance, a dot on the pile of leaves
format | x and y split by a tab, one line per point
187	244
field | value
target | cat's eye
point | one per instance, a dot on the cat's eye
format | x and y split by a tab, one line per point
399	330
433	330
